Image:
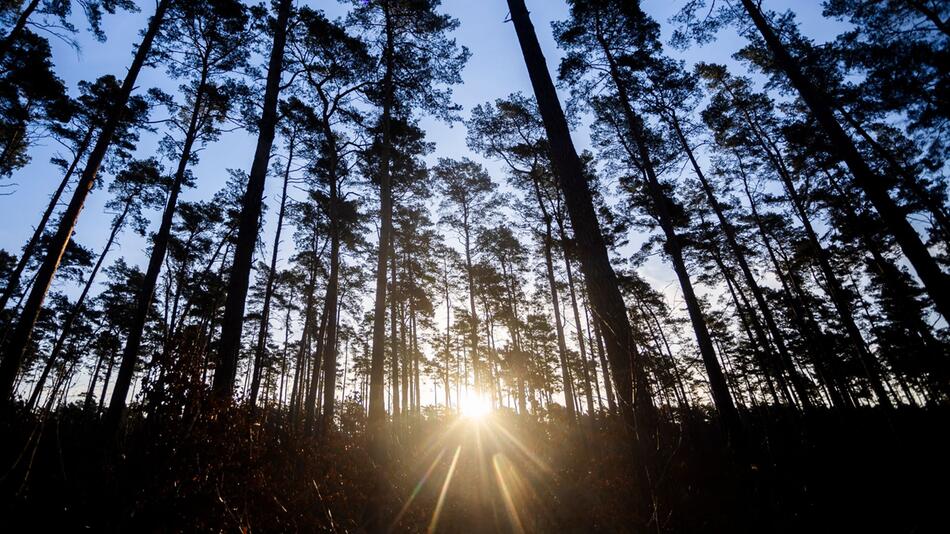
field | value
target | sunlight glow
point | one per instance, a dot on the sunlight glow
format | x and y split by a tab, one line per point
475	406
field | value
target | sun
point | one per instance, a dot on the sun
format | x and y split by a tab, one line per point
475	406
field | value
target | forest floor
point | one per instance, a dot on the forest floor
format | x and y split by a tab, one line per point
829	472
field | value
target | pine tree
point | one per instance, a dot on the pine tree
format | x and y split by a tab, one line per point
232	326
619	41
599	275
215	37
19	338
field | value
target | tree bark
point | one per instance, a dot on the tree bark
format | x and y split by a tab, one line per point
448	334
377	408
299	368
160	246
261	349
378	444
330	345
606	302
416	379
105	382
473	332
91	390
394	353
404	356
233	322
316	366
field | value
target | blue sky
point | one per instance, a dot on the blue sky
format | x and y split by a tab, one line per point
494	70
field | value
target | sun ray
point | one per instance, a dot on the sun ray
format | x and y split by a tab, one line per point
417	489
445	489
439	439
523	449
506	493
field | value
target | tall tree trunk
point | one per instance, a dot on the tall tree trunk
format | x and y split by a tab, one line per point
302	349
608	307
491	351
411	346
346	366
261	349
470	277
106	381
160	246
673	246
174	316
378	442
394	352
873	186
333	284
316	366
377	408
19	339
448	334
516	343
585	363
91	390
416	378
517	351
404	357
284	368
233	322
797	380
556	306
